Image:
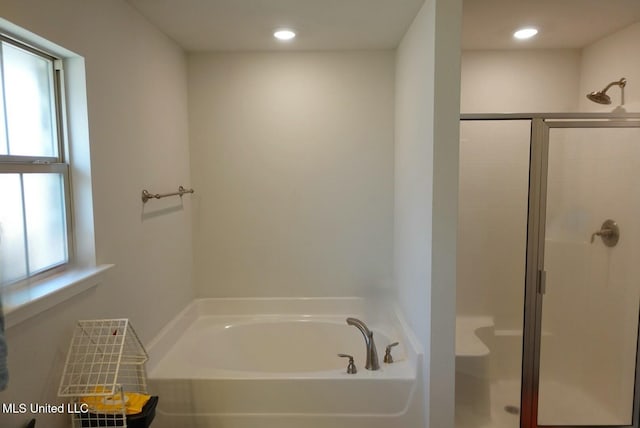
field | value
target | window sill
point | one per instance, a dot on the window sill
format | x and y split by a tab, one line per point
26	302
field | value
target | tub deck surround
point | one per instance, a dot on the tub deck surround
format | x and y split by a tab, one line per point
269	346
237	314
278	358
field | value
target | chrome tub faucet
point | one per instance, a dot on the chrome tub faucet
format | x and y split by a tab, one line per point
372	353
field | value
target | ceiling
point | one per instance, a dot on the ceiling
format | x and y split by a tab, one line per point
489	24
229	25
232	25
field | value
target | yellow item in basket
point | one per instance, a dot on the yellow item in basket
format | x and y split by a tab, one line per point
133	402
136	402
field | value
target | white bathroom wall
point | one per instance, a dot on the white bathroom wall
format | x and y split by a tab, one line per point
426	159
508	81
446	146
293	155
137	106
414	179
607	60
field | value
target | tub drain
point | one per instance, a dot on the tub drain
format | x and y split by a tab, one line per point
514	410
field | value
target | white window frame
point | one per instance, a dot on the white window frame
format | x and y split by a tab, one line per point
81	271
44	164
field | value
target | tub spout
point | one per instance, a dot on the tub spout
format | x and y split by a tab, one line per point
372	353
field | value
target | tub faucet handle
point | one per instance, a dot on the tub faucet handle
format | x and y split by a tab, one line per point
387	354
351	368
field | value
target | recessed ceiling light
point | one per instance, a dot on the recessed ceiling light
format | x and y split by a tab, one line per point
525	33
284	34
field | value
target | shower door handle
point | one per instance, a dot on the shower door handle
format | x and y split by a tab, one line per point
542	282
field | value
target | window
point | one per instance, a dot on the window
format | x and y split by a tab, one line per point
47	244
34	174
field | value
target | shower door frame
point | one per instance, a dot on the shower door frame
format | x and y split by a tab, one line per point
541	124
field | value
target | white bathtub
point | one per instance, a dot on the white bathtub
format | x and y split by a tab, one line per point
273	362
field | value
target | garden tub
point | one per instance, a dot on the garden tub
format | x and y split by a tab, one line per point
274	362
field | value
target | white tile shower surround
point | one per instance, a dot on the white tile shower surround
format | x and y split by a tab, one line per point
563	397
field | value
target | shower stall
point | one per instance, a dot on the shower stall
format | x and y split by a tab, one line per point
548	271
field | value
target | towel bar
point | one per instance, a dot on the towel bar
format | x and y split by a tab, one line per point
146	195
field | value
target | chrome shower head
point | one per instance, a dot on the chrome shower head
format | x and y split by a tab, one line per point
601	97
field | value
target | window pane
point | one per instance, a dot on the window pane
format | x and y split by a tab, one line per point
12	246
46	232
28	87
4	145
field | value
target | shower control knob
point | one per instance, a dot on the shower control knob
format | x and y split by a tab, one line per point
351	367
387	354
609	233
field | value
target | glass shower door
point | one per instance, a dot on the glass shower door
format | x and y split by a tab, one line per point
589	284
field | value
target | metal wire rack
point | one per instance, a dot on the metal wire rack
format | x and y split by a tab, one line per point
104	372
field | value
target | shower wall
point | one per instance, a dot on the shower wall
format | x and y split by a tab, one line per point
607	60
494	173
492	220
502	81
292	154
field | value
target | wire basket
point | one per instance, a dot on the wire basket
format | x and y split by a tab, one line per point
104	374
